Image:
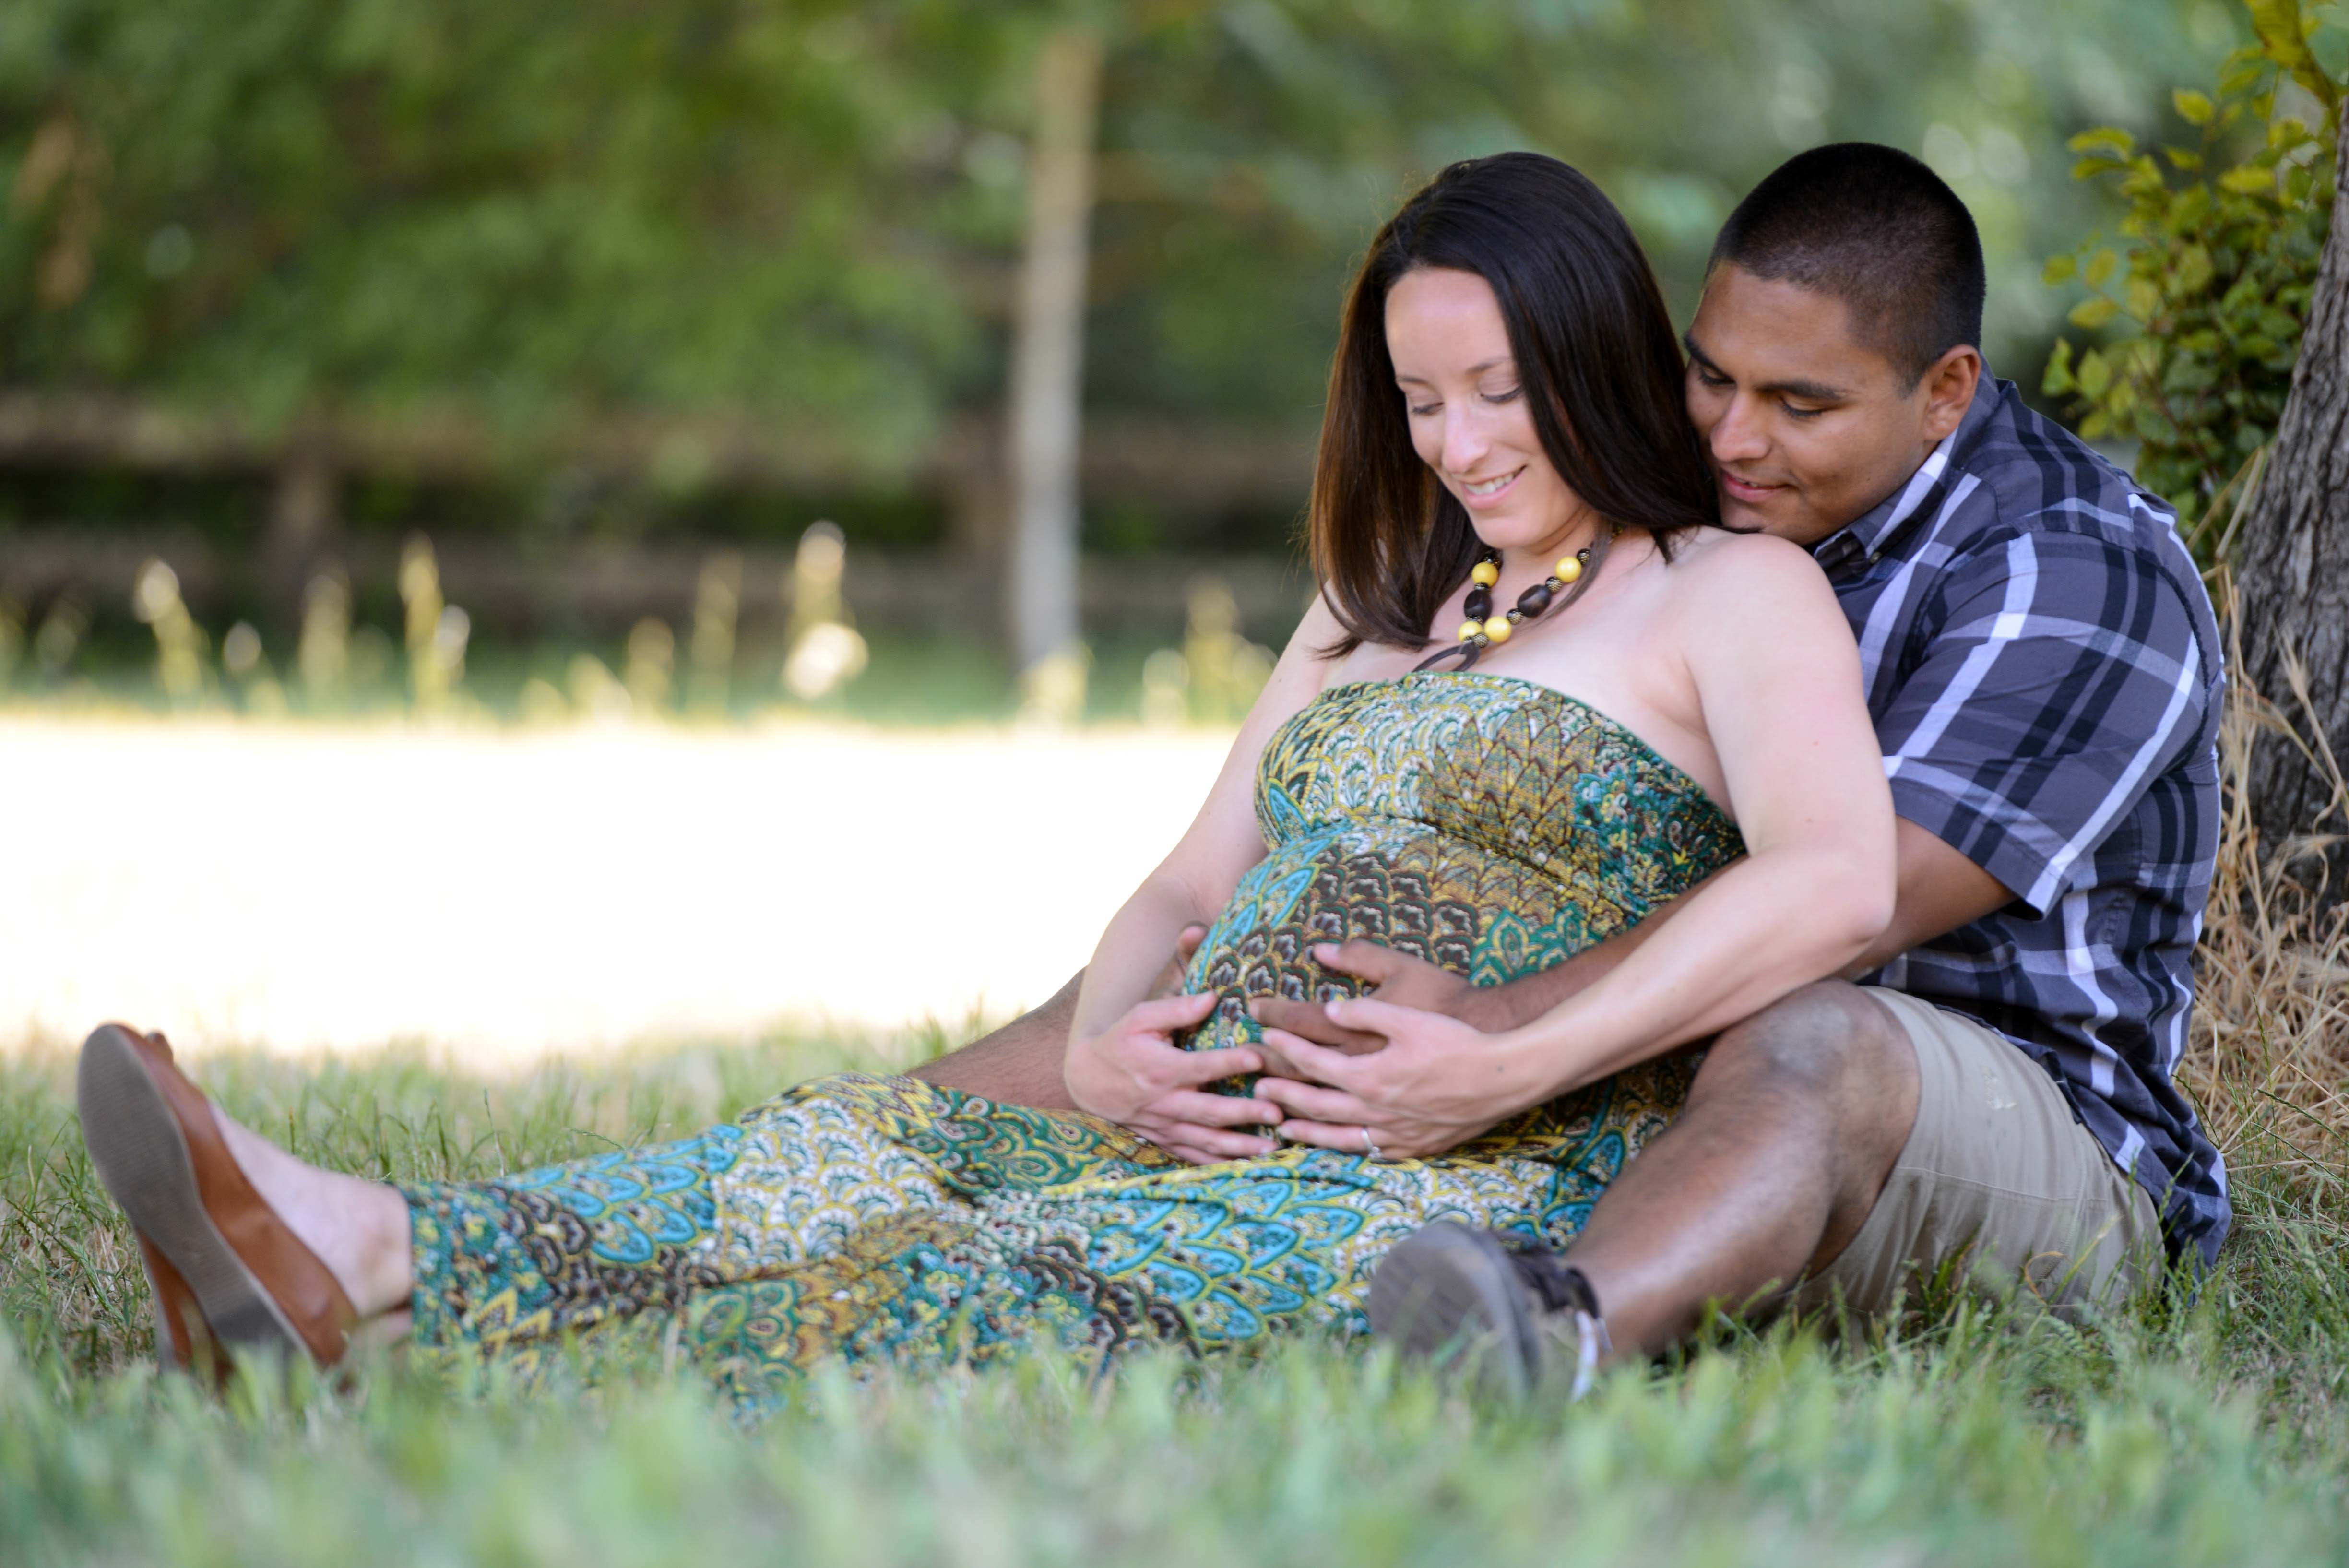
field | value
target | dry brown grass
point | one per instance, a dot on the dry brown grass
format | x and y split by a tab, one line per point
2267	1057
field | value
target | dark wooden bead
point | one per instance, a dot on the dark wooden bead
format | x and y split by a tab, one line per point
1479	604
1534	599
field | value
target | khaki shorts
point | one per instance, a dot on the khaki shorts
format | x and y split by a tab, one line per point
1999	1187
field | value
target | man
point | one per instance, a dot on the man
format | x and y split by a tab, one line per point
2043	670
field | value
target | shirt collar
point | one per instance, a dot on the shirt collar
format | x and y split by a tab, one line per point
1869	533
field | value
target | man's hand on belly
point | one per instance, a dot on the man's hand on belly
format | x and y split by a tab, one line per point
1391	976
1405	981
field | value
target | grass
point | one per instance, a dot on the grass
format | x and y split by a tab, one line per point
916	680
2214	1431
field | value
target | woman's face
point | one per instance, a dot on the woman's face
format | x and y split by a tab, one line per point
1469	418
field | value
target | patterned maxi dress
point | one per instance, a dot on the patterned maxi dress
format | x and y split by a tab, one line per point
1487	824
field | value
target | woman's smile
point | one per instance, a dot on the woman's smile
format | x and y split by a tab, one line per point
1480	494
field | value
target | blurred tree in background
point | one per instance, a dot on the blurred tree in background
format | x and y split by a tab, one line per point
611	270
2224	313
531	214
2203	301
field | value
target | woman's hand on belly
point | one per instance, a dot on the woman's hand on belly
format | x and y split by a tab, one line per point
1134	1074
1438	1084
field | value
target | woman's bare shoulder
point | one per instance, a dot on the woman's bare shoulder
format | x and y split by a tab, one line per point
1730	590
1719	550
1306	663
1321	626
1316	643
1715	567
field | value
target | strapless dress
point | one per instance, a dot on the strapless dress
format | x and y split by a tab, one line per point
1487	824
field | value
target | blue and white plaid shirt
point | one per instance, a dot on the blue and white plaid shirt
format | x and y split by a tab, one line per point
2044	673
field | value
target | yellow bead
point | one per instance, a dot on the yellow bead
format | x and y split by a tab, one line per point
1485	574
1569	568
1497	630
1469	630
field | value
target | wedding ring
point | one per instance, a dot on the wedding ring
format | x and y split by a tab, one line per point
1368	1147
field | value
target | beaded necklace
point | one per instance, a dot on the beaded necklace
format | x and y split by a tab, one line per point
1482	628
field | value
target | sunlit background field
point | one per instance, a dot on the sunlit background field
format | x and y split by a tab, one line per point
508	892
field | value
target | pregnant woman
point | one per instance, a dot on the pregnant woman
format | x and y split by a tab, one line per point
1540	694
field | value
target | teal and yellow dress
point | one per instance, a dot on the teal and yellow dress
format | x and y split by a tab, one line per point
1487	824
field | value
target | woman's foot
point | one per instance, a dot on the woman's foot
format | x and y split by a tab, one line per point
244	1245
357	1228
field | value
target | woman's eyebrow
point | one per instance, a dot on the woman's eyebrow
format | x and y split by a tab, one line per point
1496	362
1471	372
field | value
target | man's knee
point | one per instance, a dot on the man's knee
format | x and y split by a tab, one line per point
1818	1043
1833	1070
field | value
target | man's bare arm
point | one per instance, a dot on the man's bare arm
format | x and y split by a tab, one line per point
1414	982
1022	1063
1019	1064
1941	891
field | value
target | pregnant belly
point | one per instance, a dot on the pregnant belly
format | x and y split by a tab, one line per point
1449	900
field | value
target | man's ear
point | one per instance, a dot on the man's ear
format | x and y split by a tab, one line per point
1950	386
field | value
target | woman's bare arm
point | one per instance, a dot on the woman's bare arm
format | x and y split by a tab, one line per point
1777	680
1121	1061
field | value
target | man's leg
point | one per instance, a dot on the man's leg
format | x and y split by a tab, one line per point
1019	1064
1858	1136
1792	1127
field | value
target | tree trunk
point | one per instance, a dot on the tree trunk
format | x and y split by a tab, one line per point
302	522
2292	573
1048	364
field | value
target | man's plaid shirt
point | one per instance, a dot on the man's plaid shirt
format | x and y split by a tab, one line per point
2044	673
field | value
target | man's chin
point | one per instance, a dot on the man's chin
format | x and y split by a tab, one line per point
1779	511
1736	512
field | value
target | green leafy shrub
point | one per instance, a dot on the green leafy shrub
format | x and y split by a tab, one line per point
2207	292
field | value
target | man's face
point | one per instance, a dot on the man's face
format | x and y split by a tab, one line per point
1807	426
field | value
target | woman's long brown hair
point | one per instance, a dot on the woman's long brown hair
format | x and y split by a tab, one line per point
1600	369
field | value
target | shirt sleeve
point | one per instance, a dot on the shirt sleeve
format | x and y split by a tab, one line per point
2064	677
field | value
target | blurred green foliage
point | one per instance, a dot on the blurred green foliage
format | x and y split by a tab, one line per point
2218	252
526	210
806	213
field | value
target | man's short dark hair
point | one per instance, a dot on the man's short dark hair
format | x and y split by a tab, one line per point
1878	230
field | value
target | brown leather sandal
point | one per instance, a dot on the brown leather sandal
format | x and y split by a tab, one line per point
226	1272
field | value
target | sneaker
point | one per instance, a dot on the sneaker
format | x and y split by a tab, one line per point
1512	1316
